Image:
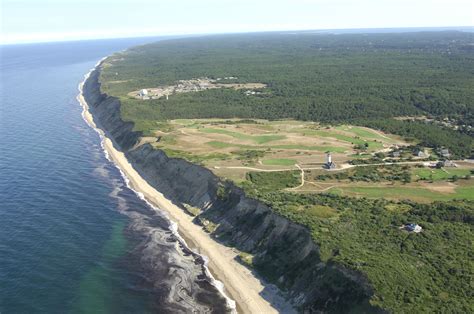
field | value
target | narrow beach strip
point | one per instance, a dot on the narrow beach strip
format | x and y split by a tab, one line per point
239	282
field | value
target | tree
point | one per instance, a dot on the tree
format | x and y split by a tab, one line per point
406	177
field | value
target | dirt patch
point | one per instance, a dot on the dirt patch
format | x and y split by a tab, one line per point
442	187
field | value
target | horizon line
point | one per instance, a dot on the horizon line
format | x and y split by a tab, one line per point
185	34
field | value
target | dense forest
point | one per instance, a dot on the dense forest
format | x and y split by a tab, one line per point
310	76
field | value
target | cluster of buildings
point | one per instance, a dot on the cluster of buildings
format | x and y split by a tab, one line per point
195	85
421	153
183	86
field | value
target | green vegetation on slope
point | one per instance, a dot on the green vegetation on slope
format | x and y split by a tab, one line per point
410	272
274	181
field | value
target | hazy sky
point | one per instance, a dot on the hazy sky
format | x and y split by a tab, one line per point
51	20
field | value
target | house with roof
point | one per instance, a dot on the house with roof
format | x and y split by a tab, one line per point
445	152
412	227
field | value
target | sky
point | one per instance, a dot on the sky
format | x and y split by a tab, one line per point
63	20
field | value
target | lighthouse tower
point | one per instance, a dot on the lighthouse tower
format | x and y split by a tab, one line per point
328	158
329	164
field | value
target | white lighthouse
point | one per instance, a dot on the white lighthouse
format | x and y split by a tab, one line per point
329	164
328	158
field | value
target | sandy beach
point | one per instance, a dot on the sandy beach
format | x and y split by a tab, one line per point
239	283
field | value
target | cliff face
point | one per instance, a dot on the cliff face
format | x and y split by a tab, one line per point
283	251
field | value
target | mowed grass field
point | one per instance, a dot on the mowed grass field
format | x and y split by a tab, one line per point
373	141
424	194
230	146
233	148
279	162
439	174
279	141
258	139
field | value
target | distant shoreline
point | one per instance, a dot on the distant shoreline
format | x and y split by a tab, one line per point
238	280
401	29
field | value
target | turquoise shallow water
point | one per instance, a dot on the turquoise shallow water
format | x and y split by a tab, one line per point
73	238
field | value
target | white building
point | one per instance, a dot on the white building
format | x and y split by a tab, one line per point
413	228
144	93
329	163
421	154
328	158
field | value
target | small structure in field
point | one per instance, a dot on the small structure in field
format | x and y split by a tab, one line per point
329	163
412	227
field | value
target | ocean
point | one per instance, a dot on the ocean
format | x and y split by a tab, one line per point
73	237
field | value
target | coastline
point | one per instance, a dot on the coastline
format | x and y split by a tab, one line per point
233	278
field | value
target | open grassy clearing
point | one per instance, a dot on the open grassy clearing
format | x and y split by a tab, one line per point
420	193
258	139
363	132
279	162
440	174
396	182
343	136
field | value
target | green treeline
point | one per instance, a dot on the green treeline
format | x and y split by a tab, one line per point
310	76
